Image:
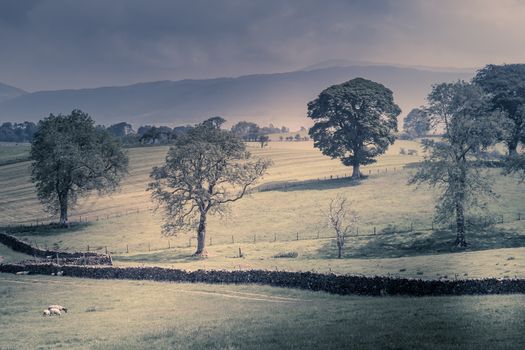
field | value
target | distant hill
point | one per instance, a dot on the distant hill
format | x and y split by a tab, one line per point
278	98
8	92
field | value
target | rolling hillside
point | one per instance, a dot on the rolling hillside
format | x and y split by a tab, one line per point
279	98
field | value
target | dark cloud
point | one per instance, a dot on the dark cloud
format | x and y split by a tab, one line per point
62	43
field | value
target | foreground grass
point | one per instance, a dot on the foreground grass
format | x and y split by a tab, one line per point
137	315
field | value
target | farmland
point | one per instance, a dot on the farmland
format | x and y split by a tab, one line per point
286	215
136	315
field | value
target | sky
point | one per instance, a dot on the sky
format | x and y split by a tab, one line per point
58	44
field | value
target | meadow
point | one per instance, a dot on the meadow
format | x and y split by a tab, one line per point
286	215
140	314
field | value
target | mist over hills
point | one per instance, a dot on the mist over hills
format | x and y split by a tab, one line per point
8	92
278	98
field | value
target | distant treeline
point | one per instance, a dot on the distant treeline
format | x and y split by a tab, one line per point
150	134
17	132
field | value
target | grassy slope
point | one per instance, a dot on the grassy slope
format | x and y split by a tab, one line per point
9	256
381	200
12	150
137	315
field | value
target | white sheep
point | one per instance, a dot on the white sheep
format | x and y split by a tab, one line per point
58	307
54	311
46	312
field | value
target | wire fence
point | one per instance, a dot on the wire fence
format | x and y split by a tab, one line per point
365	231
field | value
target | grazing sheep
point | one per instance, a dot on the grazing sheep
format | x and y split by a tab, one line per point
54	311
58	307
46	313
22	273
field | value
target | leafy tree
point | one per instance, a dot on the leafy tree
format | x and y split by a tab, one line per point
247	131
121	129
263	140
17	132
205	170
416	123
505	85
71	158
214	122
354	121
461	111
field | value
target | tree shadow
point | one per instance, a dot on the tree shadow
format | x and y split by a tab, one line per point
305	185
47	230
397	245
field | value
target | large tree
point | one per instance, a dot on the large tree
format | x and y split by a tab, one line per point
461	111
354	121
205	170
416	123
505	85
71	158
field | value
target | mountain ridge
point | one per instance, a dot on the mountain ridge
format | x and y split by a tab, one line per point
279	98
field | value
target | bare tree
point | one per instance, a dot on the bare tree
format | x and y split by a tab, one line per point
342	220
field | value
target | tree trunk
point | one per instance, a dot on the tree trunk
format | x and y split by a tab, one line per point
201	236
356	172
340	245
513	146
63	211
460	226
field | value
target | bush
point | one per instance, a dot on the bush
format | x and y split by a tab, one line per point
286	255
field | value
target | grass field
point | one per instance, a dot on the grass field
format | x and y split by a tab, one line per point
154	315
383	201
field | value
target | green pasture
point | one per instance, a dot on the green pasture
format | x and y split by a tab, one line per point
154	315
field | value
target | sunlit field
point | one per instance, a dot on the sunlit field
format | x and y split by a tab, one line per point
287	215
137	315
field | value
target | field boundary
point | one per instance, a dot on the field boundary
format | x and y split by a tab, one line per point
54	255
330	283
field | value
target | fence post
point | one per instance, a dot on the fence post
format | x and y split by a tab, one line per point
411	226
127	249
275	237
297	236
357	230
58	261
233	241
210	241
106	250
149	247
374	230
169	244
88	248
519	216
254	238
432	226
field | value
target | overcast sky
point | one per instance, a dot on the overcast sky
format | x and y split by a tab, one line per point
54	44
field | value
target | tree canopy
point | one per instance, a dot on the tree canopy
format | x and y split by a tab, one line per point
354	121
205	170
71	158
505	84
416	123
